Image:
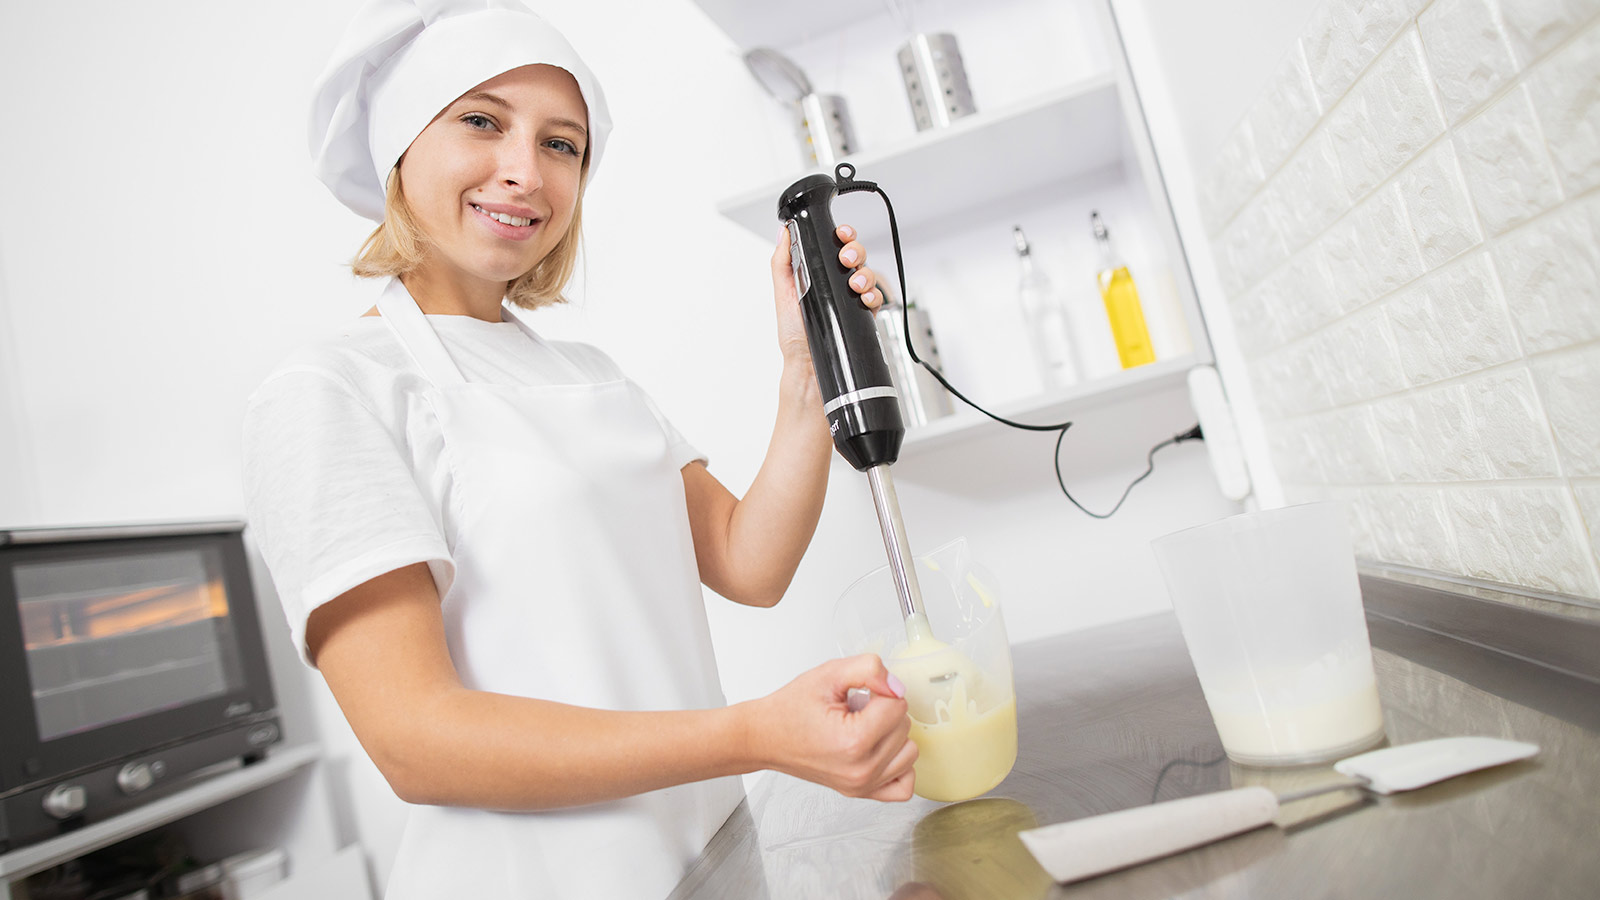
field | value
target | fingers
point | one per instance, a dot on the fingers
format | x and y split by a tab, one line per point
864	282
780	255
901	774
854	255
866	670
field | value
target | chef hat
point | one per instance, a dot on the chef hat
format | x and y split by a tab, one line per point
402	61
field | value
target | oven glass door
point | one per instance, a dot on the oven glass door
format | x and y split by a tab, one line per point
114	638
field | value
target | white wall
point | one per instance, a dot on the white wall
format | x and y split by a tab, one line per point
1215	58
1407	226
165	244
19	500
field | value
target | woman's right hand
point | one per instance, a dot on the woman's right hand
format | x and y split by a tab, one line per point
806	729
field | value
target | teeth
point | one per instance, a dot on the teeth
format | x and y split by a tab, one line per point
502	217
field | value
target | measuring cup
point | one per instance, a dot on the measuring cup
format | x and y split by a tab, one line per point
1271	612
961	700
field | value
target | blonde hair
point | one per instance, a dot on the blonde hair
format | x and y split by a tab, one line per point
398	246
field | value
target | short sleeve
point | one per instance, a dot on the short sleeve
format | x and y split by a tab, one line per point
679	450
329	495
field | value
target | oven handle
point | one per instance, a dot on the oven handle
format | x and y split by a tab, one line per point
111	532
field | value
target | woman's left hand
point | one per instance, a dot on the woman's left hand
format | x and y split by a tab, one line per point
791	330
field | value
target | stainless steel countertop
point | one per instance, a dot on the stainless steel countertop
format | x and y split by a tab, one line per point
1113	717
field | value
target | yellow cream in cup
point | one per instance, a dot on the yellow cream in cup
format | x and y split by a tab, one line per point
963	720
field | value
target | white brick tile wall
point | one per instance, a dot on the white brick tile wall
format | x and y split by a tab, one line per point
1430	436
1550	270
1349	446
1412	526
1289	381
1255	321
1569	384
1566	96
1523	535
1386	119
1537	26
1467	53
1360	522
1345	36
1451	323
1418	283
1237	175
1330	53
1347	263
1306	295
1589	505
1360	358
1296	494
1312	190
1286	112
1508	170
1437	206
1388	247
1256	237
1293	454
1511	424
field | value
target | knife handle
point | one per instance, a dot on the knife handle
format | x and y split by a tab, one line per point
1075	850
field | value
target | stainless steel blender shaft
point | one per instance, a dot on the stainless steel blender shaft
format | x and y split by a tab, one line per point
894	540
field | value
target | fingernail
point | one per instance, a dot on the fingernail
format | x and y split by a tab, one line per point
897	686
849	257
848	231
858	282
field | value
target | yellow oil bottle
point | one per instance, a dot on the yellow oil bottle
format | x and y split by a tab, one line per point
1121	298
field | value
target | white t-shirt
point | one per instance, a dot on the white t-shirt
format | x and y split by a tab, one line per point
344	472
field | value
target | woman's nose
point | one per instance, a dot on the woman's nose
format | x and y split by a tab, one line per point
519	166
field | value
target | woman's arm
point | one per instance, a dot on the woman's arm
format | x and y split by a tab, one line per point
748	549
381	647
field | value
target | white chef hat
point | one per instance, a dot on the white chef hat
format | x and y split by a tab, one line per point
402	61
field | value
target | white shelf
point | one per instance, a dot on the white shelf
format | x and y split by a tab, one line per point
1011	151
778	24
207	792
967	423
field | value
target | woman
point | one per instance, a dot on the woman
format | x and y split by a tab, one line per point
490	544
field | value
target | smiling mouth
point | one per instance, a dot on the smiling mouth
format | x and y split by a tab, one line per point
502	218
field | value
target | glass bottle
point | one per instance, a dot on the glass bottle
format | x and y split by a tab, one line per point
1045	319
1121	298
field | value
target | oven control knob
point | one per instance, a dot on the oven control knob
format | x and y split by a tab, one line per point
66	801
135	777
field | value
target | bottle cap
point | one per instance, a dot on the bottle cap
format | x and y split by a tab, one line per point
1021	239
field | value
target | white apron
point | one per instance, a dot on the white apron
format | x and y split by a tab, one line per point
575	582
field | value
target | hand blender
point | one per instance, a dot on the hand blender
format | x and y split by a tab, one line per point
858	395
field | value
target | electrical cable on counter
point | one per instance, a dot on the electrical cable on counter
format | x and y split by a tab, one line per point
844	174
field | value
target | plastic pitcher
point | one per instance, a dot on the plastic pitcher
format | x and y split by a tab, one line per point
961	699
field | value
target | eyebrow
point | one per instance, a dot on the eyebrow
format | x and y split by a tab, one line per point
492	100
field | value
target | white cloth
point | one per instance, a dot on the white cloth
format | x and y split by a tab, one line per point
344	469
400	62
574	581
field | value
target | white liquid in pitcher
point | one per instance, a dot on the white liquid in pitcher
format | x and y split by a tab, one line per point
963	722
1270	724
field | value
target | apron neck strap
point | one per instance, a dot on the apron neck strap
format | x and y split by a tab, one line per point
412	330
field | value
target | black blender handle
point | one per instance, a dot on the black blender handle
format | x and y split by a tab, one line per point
857	391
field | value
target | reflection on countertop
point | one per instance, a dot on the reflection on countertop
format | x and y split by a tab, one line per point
1113	717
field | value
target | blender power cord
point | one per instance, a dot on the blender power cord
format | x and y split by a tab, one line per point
844	175
1193	434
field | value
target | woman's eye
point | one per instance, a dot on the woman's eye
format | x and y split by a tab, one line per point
478	121
565	146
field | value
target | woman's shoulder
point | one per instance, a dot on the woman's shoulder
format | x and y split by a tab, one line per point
357	356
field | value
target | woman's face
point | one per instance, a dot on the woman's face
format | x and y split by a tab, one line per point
493	180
